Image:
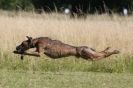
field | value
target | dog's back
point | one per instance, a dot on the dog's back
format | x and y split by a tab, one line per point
56	48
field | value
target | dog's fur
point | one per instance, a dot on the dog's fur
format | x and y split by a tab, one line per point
57	49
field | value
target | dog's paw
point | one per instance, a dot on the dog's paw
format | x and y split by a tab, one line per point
116	51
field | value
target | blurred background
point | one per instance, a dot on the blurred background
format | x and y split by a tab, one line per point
72	7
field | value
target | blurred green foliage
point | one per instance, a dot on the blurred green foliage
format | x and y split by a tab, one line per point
90	6
16	4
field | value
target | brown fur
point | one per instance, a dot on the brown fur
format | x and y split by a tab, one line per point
58	49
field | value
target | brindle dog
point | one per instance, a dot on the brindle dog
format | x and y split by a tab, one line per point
58	49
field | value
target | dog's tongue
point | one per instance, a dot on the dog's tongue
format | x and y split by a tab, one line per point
16	52
22	57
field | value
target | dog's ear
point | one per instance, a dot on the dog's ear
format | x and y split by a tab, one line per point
29	39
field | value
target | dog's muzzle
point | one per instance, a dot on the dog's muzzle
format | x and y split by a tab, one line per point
19	49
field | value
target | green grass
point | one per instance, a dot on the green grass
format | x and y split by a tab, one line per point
70	72
114	64
37	79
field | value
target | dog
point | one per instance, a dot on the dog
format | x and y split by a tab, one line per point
57	49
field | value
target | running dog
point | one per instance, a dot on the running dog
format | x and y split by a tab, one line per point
58	49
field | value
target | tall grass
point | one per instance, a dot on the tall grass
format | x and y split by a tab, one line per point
96	31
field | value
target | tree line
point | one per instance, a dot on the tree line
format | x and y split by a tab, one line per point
86	6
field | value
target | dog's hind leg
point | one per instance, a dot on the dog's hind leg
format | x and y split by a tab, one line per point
93	55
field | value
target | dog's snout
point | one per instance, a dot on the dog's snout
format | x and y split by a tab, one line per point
19	49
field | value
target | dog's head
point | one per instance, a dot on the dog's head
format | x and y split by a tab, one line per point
25	45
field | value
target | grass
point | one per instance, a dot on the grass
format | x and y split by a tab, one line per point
98	34
28	79
114	64
96	31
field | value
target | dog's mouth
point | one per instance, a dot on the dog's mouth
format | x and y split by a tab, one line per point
20	50
16	52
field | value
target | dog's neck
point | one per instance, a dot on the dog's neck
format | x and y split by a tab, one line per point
33	44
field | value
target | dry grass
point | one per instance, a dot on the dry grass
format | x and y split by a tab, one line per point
96	31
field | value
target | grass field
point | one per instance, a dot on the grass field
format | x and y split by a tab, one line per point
22	79
97	31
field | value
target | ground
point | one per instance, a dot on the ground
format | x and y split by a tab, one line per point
30	79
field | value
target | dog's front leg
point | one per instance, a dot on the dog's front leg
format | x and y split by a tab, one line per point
39	50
